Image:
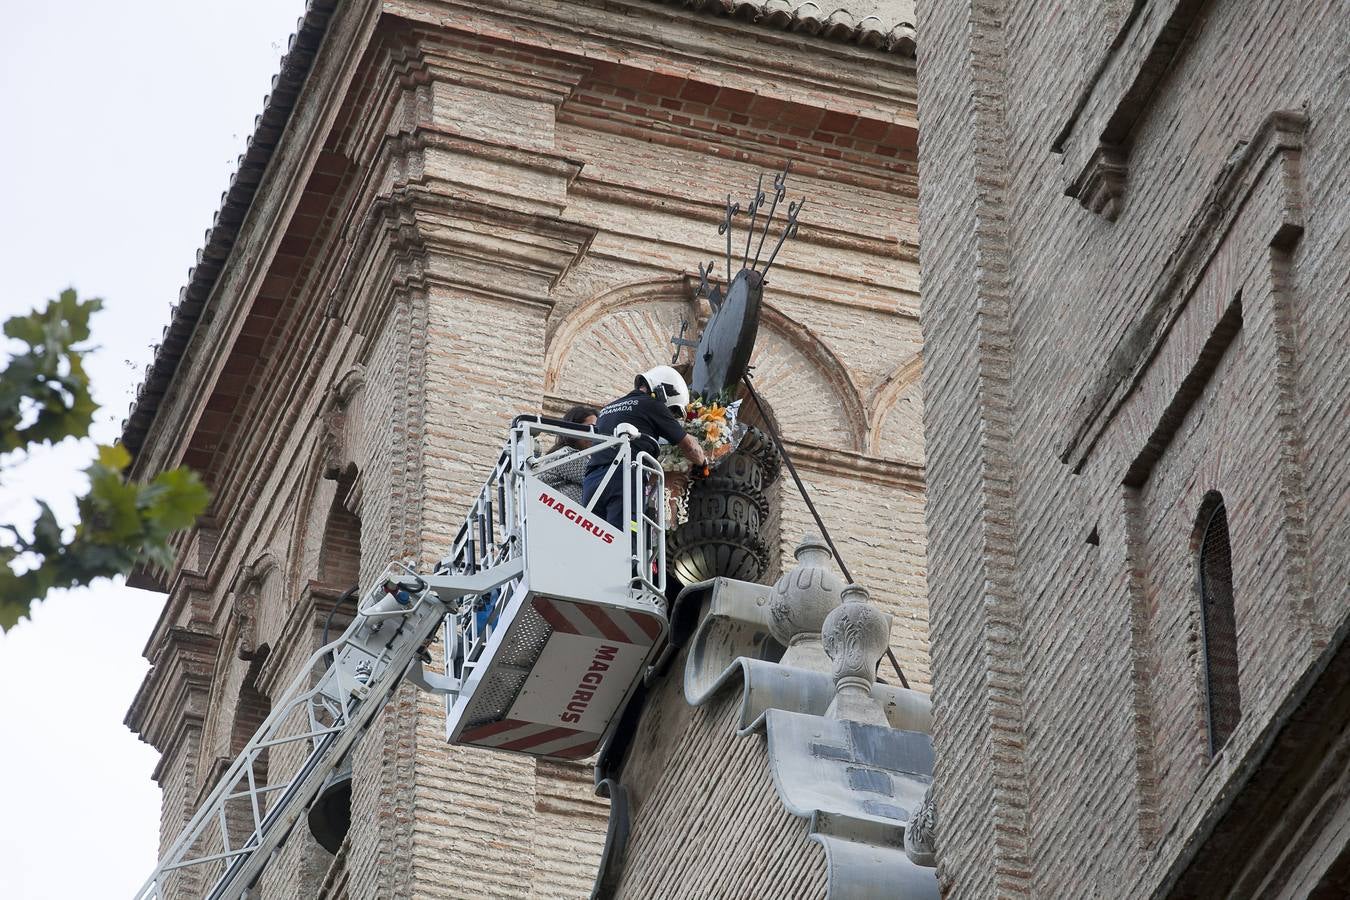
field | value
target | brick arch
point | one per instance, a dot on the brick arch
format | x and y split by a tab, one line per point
330	489
339	563
595	352
326	534
896	415
811	393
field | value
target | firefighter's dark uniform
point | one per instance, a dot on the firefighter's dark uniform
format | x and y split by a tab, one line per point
653	420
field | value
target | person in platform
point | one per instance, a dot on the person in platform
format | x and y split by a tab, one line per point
565	474
655	408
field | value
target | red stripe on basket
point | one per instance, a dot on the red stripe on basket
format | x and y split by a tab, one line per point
606	625
580	751
650	627
485	731
535	740
552	616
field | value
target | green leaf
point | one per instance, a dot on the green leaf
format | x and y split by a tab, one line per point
45	397
114	456
49	376
46	531
12	611
179	498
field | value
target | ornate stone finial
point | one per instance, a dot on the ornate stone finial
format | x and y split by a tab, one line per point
855	635
804	596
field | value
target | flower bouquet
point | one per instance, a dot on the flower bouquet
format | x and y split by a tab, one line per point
714	426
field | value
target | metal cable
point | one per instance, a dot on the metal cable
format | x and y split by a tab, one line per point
327	622
801	488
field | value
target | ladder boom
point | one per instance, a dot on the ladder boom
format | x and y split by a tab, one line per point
565	611
358	674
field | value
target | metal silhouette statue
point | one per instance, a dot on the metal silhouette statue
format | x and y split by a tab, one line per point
727	511
723	352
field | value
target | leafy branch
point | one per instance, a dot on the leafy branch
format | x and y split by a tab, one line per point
45	398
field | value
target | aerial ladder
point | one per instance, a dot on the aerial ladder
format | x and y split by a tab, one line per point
548	616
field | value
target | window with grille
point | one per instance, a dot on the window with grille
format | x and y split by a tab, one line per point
1218	623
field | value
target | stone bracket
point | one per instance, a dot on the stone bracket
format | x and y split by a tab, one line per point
1094	139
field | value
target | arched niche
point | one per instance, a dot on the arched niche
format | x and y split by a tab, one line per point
325	542
809	390
238	704
595	352
897	415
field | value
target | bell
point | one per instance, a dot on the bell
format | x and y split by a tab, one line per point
331	814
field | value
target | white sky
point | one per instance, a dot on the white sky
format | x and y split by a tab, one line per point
120	123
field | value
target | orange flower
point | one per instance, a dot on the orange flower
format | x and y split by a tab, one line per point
713	431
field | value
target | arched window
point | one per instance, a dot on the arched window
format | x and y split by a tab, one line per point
339	568
1218	622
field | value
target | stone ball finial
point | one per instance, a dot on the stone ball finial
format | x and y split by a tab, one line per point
804	596
855	635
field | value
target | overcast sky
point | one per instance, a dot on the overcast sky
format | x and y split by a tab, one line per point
121	125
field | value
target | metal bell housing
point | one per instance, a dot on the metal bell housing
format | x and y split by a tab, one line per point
331	815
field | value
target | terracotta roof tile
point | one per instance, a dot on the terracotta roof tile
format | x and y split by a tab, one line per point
829	21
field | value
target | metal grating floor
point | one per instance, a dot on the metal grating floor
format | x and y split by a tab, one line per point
529	634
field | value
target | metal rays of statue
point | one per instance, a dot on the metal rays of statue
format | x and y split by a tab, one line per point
727	512
724	350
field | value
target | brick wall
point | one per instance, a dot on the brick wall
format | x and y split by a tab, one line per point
1094	364
500	216
707	821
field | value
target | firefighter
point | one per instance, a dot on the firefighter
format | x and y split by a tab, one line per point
655	407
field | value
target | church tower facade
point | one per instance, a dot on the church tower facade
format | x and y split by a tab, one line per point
450	214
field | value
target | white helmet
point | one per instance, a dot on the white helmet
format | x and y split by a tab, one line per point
666	385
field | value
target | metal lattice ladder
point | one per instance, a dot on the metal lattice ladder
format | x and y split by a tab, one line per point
325	716
550	569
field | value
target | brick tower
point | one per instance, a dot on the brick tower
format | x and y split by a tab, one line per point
452	213
1136	263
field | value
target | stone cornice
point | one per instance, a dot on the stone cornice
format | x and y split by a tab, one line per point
419	159
432	59
172	698
856	466
720	50
432	238
183	592
800	291
789	279
712	211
